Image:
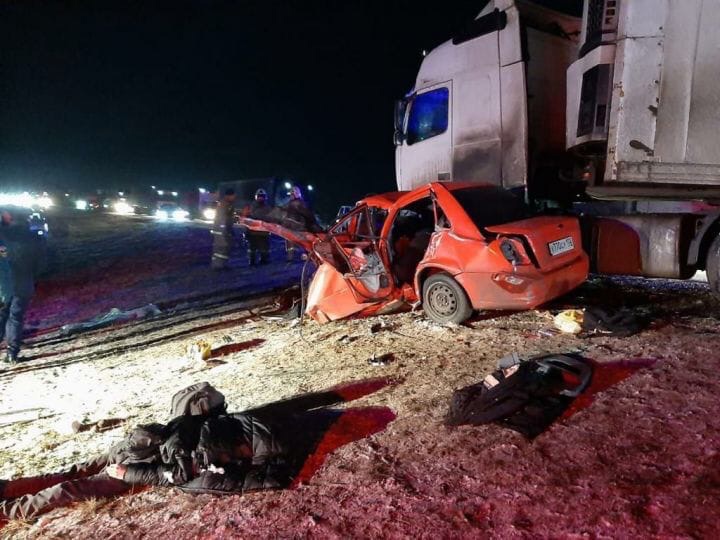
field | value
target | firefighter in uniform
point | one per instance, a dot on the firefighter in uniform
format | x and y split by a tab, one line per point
222	230
300	218
258	241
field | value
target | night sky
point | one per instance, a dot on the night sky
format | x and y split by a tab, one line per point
187	94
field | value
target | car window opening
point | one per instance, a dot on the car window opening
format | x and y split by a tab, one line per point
410	237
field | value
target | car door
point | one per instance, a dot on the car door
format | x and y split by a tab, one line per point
353	248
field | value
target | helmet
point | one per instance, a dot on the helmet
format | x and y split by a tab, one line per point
260	193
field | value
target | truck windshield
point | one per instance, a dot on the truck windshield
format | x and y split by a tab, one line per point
487	206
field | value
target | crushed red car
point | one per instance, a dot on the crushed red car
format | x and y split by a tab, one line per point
454	247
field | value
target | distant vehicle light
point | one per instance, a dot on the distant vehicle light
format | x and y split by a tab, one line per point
310	188
288	185
44	202
160	192
81	205
161	214
122	207
202	190
209	214
174	193
180	214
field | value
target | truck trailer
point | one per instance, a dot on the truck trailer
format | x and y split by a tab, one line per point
613	116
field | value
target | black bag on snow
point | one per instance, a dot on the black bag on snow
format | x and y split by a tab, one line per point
527	401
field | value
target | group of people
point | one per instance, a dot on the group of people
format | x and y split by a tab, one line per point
294	215
21	260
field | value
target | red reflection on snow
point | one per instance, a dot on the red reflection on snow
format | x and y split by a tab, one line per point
352	425
605	375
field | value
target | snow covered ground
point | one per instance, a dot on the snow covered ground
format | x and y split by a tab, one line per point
641	460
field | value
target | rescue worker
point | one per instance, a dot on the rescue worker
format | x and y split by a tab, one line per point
223	230
300	217
22	256
258	241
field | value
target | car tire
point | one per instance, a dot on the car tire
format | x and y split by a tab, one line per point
444	300
712	266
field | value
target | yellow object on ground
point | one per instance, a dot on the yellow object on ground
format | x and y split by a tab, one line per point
199	350
569	321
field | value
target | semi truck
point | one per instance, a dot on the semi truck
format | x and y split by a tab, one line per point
613	116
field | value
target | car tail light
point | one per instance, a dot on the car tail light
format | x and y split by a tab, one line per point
514	252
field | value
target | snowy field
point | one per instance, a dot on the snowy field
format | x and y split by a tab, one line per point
639	460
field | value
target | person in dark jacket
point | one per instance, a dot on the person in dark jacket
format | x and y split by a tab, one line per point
258	241
298	217
207	450
223	231
21	260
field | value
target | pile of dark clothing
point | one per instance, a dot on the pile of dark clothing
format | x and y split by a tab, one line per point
602	321
526	396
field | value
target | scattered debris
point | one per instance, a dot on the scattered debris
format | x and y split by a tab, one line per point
620	323
111	317
382	360
199	350
569	321
106	424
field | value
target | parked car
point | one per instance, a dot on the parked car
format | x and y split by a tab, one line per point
454	247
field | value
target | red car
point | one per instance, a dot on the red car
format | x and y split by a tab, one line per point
455	247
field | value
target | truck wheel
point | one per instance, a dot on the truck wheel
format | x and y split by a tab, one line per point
444	300
713	266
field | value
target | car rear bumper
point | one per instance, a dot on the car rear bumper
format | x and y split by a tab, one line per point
524	289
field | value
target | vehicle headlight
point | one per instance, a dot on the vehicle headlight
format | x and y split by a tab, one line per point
44	202
180	215
81	205
121	207
209	214
161	214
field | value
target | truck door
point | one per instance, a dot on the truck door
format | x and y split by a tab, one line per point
352	247
425	154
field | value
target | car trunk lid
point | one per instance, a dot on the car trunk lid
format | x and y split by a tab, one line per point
554	240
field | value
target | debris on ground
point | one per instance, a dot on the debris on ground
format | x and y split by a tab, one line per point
113	316
569	321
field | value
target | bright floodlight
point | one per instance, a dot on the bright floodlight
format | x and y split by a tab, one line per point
44	202
310	188
122	207
209	214
81	205
161	214
288	185
180	214
17	199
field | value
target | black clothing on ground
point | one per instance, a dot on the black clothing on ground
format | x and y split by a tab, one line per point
529	400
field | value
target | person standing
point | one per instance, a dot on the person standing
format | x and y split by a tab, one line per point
21	259
258	241
222	230
300	217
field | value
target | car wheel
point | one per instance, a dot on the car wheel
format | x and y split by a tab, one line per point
444	300
713	266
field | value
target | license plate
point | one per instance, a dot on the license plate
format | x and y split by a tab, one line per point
561	246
